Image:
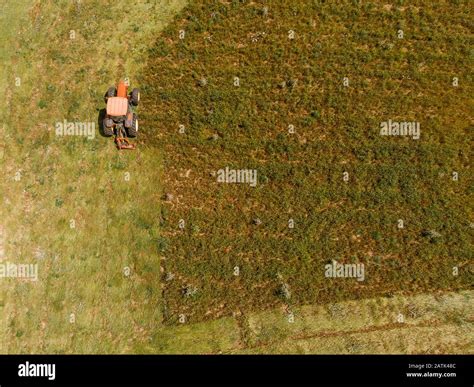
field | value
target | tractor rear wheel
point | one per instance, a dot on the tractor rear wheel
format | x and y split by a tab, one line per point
111	92
135	97
132	131
108	130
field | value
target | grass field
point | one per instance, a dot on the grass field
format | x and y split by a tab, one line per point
297	92
78	208
103	226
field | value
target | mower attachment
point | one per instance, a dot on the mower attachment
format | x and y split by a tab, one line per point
123	143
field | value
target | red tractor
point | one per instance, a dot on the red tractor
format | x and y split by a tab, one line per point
120	119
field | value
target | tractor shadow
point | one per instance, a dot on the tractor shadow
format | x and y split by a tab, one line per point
100	120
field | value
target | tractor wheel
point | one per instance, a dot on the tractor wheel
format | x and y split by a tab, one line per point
135	96
132	131
111	92
108	130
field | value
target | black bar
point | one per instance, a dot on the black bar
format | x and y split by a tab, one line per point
319	370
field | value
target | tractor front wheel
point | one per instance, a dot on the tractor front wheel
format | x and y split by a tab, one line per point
135	97
132	131
111	92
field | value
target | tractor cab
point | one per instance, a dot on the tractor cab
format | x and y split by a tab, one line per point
117	107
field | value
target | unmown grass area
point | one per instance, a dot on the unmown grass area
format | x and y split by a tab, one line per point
211	123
